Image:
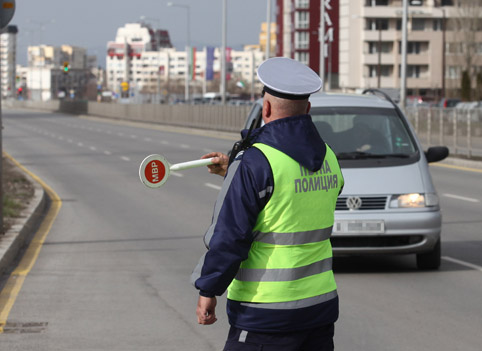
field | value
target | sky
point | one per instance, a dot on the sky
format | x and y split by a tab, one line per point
92	23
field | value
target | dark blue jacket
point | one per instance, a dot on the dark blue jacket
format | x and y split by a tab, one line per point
246	190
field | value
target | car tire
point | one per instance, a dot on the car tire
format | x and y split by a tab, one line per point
430	260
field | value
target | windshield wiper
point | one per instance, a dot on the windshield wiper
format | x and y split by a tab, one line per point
364	155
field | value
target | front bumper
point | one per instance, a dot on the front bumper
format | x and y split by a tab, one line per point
405	232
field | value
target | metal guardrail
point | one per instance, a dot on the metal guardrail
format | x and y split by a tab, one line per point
458	129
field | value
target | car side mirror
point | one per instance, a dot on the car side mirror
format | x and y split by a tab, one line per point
436	153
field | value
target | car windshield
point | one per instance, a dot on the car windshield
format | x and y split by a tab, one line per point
361	133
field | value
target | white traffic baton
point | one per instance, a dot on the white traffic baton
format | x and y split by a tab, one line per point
155	169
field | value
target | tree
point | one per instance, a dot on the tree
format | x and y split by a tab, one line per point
467	24
479	86
465	86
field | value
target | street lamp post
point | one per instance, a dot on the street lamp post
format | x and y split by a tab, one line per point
444	22
188	46
268	30
223	54
403	83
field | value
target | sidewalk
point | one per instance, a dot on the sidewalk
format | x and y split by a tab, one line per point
25	226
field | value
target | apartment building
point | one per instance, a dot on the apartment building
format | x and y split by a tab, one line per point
8	55
298	29
131	59
371	41
56	72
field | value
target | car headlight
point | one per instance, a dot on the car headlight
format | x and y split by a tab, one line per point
414	200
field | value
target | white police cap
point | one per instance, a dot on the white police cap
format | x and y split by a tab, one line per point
288	79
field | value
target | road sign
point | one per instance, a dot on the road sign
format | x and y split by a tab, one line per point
155	169
7	9
125	86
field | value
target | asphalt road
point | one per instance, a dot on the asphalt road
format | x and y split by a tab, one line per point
114	271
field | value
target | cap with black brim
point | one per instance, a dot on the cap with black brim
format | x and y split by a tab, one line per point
288	79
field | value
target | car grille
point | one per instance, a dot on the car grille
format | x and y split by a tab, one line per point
367	203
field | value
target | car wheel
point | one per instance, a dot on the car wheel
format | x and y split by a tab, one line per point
430	259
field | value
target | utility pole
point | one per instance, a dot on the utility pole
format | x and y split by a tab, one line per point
223	54
403	82
322	42
268	30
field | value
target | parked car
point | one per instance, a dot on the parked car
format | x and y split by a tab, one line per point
448	103
389	204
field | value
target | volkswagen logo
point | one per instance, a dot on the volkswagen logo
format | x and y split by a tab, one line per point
354	202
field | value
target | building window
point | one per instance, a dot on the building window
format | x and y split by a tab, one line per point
372	3
453	72
385	70
302	4
414	47
376	24
302	57
418	24
437	24
302	40
302	20
386	47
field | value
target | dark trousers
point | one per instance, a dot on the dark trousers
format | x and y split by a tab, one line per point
318	339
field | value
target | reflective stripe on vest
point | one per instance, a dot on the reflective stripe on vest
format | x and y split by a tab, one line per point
290	260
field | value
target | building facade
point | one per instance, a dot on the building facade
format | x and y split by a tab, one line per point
56	72
438	47
8	58
298	23
134	67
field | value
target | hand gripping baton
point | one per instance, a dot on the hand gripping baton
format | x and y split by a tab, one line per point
155	169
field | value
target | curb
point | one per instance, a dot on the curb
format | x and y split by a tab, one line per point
20	232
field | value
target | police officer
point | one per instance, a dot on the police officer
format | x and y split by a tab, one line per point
268	244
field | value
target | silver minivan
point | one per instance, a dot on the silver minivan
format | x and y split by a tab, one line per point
389	204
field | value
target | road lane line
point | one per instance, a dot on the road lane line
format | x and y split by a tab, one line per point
462	263
107	152
213	186
125	158
175	174
463	198
93	148
457	167
164	142
9	293
184	146
80	144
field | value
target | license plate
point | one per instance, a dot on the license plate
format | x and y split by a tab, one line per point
359	227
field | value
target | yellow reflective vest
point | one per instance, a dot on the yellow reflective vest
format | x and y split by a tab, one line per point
291	256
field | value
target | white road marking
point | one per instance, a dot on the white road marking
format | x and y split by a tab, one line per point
164	142
147	139
70	140
463	198
184	146
120	134
175	174
93	148
125	158
107	152
80	144
61	138
462	263
212	186
134	136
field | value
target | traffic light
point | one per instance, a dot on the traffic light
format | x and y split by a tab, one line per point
66	67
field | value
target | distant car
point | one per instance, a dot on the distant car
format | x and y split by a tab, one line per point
448	103
389	204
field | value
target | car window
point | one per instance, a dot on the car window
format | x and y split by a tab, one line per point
360	132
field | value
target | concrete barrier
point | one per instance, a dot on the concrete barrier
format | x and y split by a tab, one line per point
213	117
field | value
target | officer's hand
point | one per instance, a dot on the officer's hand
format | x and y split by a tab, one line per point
220	163
205	311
